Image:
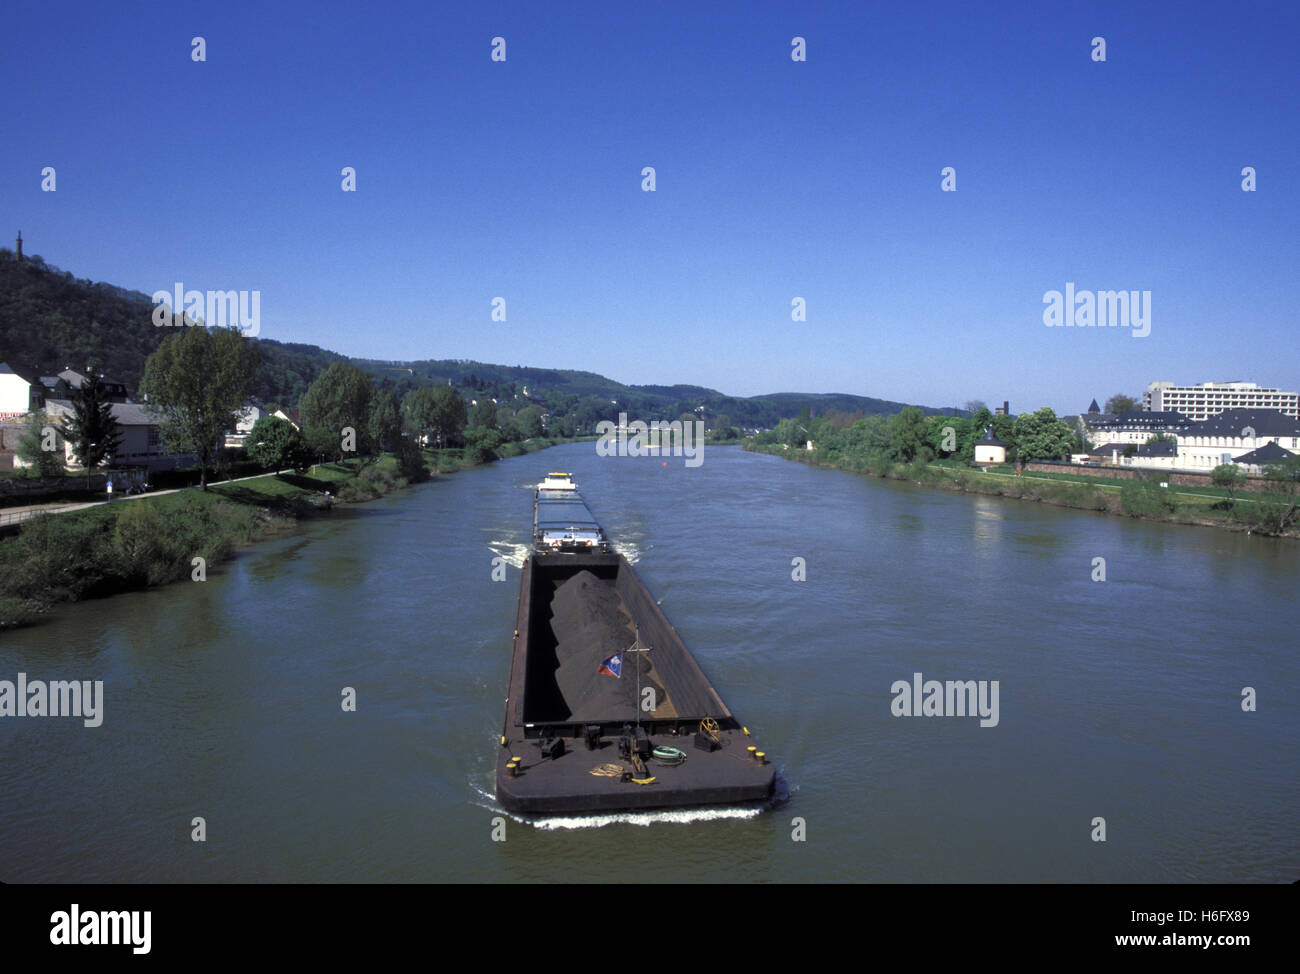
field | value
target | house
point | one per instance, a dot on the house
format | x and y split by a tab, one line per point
114	391
990	450
1270	453
18	395
141	440
56	387
291	416
1105	429
245	418
1251	438
1229	435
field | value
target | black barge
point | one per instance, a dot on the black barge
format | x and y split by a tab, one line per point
607	708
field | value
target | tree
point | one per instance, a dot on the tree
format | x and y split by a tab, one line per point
530	422
91	429
1041	436
944	444
484	414
336	412
275	444
1004	428
979	422
1082	444
510	431
1280	509
195	382
38	435
421	411
410	460
973	406
1229	476
722	428
385	420
907	434
481	443
437	413
1120	403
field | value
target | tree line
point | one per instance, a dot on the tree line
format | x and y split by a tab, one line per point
198	380
910	435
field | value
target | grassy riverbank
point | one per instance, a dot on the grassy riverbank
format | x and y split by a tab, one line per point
135	543
1258	513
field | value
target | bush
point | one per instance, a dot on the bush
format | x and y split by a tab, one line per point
61	557
356	490
920	471
1146	498
1265	516
1084	498
17	612
878	465
144	548
380	477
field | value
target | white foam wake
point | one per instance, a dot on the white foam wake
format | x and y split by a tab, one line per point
682	816
511	552
628	549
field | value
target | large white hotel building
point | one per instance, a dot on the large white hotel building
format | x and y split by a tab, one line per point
1205	400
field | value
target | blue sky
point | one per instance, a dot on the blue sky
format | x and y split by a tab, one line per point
775	179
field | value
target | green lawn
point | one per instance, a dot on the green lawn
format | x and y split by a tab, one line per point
1212	493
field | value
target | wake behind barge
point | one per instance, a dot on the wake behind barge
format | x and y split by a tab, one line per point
591	643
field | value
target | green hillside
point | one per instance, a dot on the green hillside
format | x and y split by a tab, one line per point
51	320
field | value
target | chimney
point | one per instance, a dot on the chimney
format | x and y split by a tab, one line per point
20	245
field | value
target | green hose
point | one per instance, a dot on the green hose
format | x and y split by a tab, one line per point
668	755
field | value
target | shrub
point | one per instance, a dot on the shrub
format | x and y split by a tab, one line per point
1145	498
60	557
878	465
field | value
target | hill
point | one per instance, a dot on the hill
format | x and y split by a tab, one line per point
51	320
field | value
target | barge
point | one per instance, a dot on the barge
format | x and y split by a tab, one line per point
607	710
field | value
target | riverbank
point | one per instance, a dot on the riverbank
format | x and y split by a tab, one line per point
149	540
1262	514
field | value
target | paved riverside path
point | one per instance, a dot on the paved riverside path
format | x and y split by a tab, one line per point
14	515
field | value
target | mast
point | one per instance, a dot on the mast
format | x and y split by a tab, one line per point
637	648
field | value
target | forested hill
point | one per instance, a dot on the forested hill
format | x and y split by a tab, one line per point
51	320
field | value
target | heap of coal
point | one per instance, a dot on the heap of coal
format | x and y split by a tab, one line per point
590	624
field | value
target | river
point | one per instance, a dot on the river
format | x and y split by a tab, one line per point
1118	699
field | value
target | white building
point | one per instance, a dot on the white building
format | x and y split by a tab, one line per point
245	418
1204	400
1253	438
291	417
990	450
1107	429
18	397
1230	434
141	443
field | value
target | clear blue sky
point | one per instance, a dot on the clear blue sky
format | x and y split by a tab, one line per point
775	179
